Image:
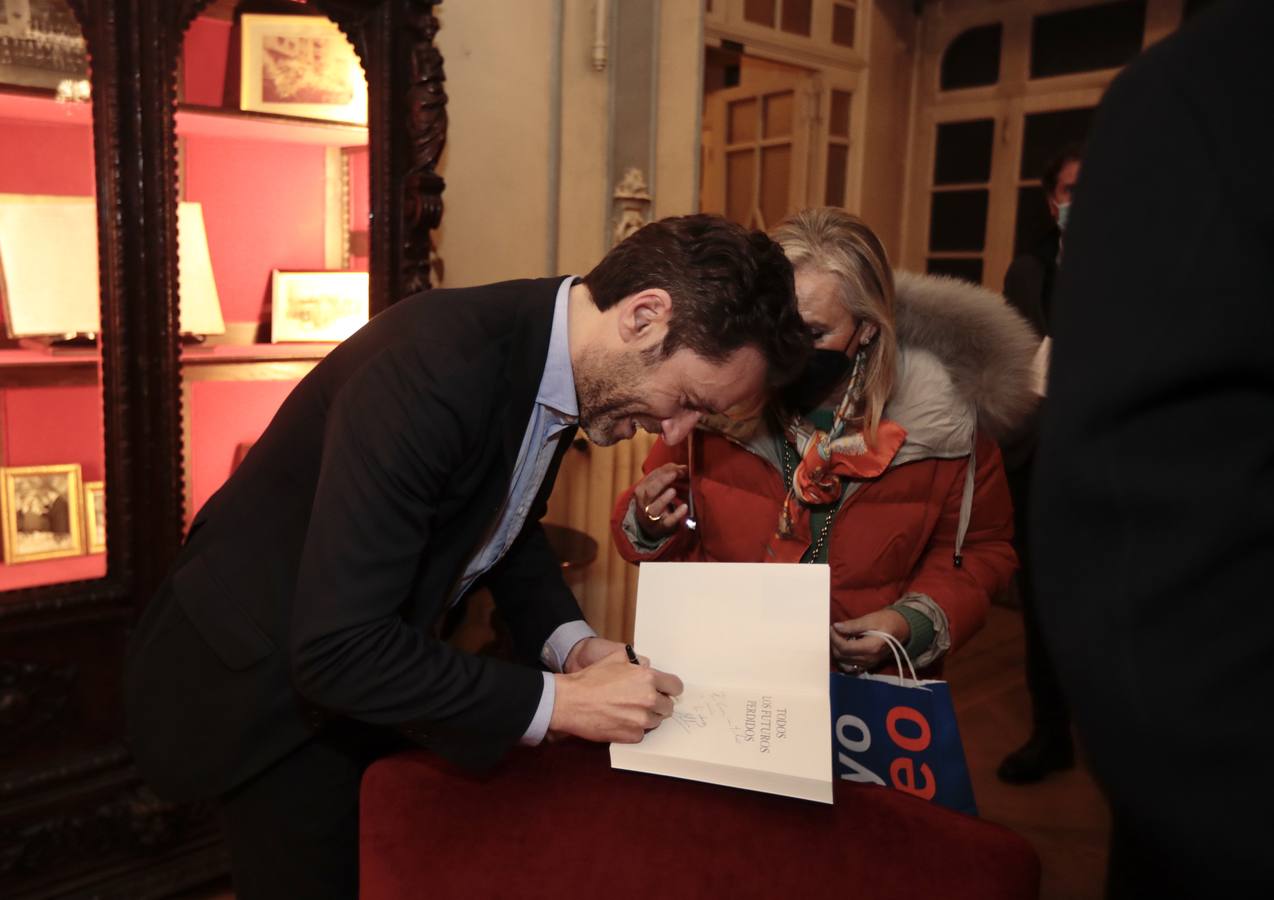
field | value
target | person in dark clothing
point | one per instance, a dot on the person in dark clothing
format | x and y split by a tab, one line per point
59	515
1028	286
1028	283
1153	524
297	636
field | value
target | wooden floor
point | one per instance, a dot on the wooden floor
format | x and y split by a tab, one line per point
1064	816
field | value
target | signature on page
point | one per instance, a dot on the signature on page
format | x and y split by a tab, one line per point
705	711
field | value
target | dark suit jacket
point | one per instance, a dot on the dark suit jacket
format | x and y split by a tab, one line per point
1154	487
1028	283
1028	286
312	583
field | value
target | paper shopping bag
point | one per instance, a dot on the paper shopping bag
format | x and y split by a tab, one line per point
900	733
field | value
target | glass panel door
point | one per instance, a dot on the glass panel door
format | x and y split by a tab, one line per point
273	222
52	446
756	147
960	196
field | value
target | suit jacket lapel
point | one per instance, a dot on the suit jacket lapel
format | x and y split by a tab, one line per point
527	358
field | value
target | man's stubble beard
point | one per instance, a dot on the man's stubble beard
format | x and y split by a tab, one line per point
604	386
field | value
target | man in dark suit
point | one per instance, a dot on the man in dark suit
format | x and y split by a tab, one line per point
1028	283
1028	286
1154	483
295	639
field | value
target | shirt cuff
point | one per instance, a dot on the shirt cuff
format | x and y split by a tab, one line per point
562	641
543	714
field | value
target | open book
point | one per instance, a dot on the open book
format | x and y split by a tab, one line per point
750	642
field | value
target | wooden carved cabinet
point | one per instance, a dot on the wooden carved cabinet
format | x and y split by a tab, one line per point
75	820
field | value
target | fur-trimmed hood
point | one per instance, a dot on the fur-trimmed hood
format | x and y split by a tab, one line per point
965	361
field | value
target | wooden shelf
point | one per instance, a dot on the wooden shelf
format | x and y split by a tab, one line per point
33	105
208	121
37	368
52	571
211	121
244	353
251	362
23	368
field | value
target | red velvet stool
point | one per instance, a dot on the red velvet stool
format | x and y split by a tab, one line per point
556	822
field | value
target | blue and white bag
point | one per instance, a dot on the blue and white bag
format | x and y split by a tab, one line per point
902	734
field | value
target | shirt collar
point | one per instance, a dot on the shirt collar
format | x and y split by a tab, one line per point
557	384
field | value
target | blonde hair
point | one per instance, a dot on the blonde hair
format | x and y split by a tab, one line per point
831	240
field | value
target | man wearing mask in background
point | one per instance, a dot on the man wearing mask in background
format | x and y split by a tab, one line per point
1028	286
1028	283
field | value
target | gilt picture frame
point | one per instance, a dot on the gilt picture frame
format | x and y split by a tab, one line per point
300	66
317	306
95	516
42	512
42	46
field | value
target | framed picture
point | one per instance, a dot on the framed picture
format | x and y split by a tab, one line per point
317	306
48	267
41	44
95	516
300	66
42	510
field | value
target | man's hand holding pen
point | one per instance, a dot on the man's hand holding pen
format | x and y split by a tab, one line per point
618	698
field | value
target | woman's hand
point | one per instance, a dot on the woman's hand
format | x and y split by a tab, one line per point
855	652
659	510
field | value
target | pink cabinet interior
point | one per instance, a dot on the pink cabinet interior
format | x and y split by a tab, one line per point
263	184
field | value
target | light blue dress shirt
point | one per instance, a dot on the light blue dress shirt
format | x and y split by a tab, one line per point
556	409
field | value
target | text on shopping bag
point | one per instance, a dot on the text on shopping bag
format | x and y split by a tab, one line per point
902	769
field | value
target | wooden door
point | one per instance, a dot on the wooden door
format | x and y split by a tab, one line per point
756	145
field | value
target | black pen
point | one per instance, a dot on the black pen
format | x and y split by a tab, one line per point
632	655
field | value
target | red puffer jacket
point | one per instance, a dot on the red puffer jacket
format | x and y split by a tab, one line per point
895	535
964	378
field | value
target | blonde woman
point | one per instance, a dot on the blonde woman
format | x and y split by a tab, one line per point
880	461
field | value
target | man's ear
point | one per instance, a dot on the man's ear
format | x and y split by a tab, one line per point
644	315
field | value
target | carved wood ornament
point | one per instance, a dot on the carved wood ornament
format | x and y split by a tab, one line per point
426	133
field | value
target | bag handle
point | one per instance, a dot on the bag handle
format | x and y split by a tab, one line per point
899	651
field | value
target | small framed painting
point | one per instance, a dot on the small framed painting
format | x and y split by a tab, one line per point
317	306
42	508
300	66
41	45
95	516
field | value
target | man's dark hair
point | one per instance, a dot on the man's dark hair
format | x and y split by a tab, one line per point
730	288
1072	152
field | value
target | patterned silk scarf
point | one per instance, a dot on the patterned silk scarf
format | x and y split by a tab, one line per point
826	459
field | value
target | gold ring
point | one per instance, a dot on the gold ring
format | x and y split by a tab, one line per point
646	509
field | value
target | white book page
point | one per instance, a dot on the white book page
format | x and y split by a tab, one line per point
200	304
757	728
48	267
48	257
750	642
1039	366
735	623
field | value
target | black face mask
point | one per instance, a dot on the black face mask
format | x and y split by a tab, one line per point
824	370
